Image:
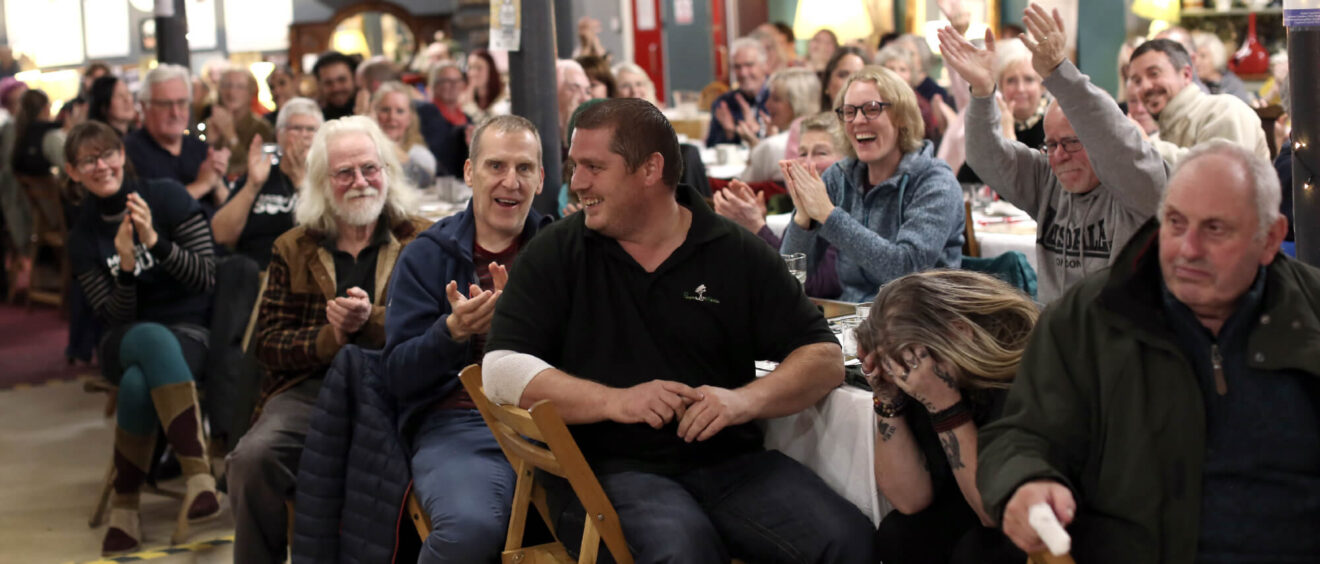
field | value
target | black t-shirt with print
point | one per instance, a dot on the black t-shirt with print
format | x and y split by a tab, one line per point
271	215
721	301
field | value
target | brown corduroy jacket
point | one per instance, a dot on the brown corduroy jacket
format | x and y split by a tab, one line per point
295	341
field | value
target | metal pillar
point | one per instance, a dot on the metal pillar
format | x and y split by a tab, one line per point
565	35
531	78
172	33
1303	59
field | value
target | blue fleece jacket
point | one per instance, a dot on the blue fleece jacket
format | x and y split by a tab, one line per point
421	360
912	221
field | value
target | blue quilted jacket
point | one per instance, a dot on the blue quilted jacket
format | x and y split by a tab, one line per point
354	476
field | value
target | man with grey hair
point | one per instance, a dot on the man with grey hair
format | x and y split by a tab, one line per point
442	299
1097	181
325	288
1168	409
162	148
745	103
573	90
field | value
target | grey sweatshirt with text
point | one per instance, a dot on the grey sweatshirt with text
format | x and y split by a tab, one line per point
1076	234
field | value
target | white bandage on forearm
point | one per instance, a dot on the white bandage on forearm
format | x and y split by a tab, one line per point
505	373
1047	526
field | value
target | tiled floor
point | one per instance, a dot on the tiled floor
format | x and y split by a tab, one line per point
55	444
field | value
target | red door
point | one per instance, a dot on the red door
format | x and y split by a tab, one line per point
648	45
721	41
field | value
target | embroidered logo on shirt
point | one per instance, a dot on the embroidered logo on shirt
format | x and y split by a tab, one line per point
700	295
274	204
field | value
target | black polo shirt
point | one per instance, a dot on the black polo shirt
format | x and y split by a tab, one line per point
721	301
360	271
271	215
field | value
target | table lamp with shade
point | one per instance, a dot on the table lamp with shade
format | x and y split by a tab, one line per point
848	19
1157	10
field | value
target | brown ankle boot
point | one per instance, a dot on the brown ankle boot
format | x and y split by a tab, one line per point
132	459
176	404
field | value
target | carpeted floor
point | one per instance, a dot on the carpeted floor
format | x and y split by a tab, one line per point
32	346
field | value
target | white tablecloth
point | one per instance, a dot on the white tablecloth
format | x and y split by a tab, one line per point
995	244
836	439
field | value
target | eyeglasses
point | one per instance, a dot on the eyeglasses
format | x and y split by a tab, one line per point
181	104
1070	145
347	175
88	163
871	110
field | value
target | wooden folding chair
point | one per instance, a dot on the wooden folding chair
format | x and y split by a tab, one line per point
971	247
537	438
1044	557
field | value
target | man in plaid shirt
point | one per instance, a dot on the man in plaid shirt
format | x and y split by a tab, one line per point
326	288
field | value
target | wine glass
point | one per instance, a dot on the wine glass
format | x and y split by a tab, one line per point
797	266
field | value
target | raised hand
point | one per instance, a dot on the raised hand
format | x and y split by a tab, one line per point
724	116
1046	39
808	192
470	315
654	403
124	245
975	65
741	204
258	162
958	16
140	213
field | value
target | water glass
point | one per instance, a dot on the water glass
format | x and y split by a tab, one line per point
797	266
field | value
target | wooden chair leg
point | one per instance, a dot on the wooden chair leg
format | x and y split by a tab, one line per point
103	501
421	521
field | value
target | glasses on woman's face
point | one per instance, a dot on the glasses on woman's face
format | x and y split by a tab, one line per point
871	110
345	176
87	163
1069	144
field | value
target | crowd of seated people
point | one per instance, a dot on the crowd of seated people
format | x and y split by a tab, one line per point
1125	396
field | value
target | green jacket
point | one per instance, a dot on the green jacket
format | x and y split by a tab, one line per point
1106	403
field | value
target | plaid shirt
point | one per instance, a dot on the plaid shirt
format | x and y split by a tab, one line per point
295	341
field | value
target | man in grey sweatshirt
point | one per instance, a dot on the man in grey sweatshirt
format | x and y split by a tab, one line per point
1096	183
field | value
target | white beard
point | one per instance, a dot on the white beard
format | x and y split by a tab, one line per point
360	211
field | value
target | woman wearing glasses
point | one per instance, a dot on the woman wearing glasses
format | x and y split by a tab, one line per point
940	350
141	250
262	210
891	208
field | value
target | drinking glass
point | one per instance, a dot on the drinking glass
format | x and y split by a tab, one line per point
797	266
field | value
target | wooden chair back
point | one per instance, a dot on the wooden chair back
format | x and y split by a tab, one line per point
538	438
1044	557
49	232
971	248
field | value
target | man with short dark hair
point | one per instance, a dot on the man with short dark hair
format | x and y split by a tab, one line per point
334	79
442	297
641	317
1168	408
1160	73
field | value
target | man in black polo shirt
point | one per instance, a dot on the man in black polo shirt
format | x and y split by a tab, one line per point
334	78
163	149
641	319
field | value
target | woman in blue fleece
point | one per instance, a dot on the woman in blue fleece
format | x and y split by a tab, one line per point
891	208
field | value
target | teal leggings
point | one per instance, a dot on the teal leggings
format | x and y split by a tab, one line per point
151	357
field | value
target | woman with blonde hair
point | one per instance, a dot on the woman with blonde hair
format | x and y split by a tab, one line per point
793	93
940	349
232	123
891	208
391	107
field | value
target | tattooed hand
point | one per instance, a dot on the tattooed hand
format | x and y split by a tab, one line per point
925	378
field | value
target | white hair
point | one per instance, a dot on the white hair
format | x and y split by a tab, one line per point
1010	52
1265	188
633	68
298	107
749	43
564	65
1215	46
163	73
801	87
316	208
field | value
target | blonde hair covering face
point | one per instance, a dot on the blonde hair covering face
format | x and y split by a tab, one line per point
412	135
802	88
904	113
316	208
975	321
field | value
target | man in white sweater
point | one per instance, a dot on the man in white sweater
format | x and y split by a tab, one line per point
1161	72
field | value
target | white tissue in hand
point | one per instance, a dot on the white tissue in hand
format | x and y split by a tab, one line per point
1042	519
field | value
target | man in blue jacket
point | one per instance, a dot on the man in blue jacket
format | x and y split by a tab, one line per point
442	298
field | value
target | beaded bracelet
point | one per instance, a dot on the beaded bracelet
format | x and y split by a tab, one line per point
892	409
951	418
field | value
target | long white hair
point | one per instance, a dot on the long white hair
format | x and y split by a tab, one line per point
316	208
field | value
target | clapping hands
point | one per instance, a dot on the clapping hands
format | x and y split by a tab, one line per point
348	314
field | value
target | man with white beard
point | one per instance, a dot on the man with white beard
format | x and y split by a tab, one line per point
325	288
